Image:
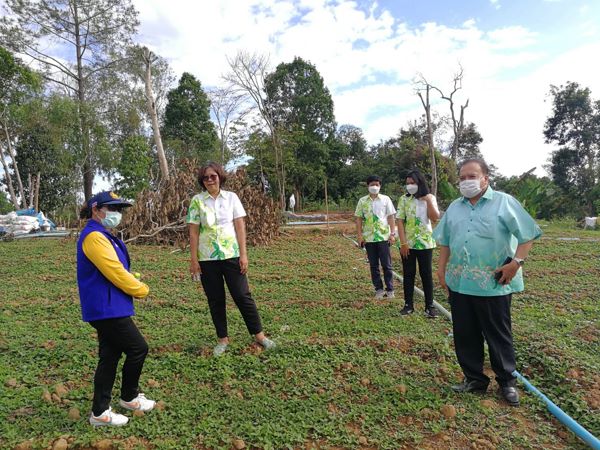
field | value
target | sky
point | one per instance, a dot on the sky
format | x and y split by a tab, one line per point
369	54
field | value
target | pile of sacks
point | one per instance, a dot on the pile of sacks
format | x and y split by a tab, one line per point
12	223
24	221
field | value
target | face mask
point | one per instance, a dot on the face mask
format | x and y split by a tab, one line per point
374	190
470	188
112	219
412	189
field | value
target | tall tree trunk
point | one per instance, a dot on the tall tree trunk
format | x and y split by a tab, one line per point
13	156
8	178
88	163
37	191
151	105
427	107
31	190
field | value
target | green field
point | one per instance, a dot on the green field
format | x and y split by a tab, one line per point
350	372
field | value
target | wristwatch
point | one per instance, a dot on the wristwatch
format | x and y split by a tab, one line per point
520	261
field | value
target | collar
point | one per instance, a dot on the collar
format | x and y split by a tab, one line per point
205	195
488	195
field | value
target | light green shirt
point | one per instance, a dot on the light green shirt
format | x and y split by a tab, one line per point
417	226
480	238
217	239
374	215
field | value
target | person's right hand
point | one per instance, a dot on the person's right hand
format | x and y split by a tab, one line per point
442	280
195	270
404	250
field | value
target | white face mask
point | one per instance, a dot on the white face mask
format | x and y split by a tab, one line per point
374	189
112	219
412	189
470	188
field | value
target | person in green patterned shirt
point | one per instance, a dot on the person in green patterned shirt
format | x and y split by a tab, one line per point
218	254
375	229
416	211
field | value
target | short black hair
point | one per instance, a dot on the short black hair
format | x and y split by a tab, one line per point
421	183
482	164
372	178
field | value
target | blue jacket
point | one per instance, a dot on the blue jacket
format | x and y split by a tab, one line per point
100	299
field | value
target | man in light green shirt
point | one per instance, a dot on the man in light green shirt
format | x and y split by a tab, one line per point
484	238
376	229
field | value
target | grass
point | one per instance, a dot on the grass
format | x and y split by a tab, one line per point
350	372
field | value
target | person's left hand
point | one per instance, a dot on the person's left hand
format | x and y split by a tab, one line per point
508	272
243	264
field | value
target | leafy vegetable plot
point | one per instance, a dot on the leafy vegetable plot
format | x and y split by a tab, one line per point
349	372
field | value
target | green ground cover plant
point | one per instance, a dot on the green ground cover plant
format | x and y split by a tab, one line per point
349	372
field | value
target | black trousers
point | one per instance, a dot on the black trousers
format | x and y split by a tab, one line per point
214	274
379	252
409	267
477	318
115	337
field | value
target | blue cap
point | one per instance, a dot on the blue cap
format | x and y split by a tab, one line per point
106	198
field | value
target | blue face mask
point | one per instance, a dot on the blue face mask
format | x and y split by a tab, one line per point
112	219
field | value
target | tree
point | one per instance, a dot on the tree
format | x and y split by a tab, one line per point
134	167
48	132
17	84
229	106
247	76
423	89
458	121
470	139
575	126
187	120
93	33
155	73
301	106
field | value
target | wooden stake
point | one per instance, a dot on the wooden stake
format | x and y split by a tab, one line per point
326	206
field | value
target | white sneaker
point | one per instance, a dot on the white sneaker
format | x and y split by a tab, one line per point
379	294
140	403
108	418
390	294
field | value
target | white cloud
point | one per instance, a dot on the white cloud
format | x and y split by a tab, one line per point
507	95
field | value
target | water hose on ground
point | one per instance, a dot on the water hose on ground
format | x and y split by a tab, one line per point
563	417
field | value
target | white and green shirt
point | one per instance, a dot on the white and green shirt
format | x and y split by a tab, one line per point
417	226
374	215
215	216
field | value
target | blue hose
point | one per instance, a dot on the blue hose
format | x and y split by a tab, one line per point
562	416
571	424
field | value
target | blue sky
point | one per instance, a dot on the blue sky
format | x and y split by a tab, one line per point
370	52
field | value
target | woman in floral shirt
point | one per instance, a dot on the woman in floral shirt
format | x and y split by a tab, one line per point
416	210
218	254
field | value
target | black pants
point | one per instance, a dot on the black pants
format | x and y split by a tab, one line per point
228	270
409	267
115	337
477	318
380	252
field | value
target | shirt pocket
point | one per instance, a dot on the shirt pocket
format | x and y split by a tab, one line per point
483	227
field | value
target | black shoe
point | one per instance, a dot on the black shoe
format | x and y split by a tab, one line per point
407	310
510	394
474	386
431	313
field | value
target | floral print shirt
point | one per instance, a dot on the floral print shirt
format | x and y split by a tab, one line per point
480	238
374	214
417	226
217	238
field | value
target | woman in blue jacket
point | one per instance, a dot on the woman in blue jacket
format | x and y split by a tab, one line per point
106	293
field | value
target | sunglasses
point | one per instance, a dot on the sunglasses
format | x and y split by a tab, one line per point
210	177
117	208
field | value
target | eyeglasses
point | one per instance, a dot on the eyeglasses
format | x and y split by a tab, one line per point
117	208
210	177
